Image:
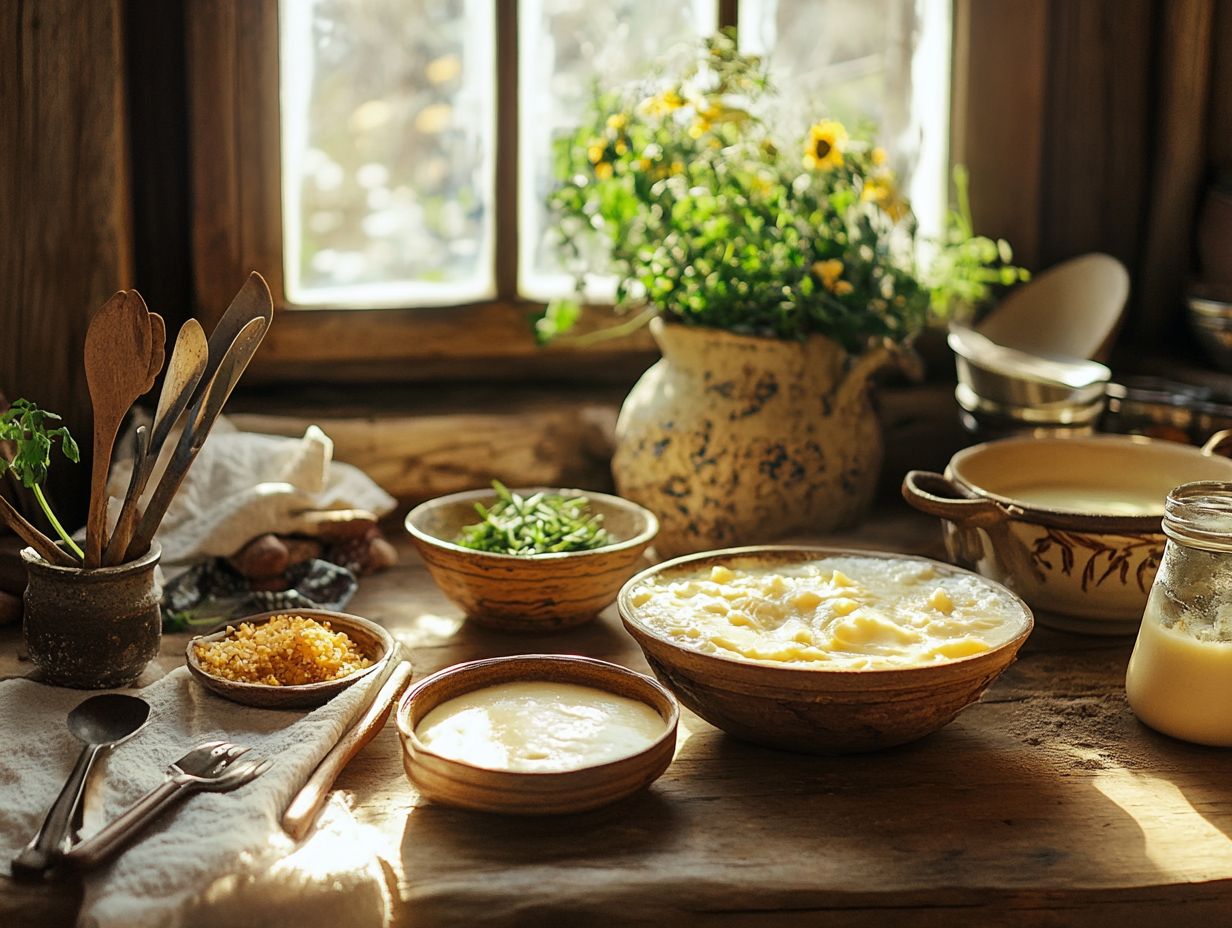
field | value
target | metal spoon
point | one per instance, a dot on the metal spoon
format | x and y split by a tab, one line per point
99	723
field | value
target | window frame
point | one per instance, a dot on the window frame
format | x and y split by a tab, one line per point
235	182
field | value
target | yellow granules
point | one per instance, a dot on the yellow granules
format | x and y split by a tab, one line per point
288	650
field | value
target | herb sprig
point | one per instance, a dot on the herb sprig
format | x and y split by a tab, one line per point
25	425
543	523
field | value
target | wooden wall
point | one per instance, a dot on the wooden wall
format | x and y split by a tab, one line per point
1095	125
65	199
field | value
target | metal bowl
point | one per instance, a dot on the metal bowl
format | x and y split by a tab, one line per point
1211	321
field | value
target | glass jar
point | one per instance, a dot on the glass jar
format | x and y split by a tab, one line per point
1179	680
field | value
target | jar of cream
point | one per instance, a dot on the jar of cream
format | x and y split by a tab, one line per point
1179	680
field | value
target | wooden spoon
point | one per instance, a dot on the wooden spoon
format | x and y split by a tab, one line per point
158	349
141	453
201	417
117	359
188	360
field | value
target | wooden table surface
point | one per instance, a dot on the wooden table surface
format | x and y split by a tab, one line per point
1045	804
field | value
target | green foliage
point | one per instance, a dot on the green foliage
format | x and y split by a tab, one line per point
25	425
711	220
545	523
969	268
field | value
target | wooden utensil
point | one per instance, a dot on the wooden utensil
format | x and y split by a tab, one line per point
34	538
117	359
158	349
253	301
141	450
184	372
201	417
306	806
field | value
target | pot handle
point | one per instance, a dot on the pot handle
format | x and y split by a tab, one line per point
939	496
1220	443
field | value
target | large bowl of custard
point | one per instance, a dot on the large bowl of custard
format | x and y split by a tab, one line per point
1072	525
823	650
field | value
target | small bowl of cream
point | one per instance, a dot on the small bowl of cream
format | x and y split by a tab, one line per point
535	734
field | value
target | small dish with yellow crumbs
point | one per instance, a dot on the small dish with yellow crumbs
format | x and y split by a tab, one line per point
288	660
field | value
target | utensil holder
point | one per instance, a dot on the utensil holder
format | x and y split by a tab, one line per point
92	629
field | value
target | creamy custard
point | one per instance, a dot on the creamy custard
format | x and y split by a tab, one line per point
1179	679
845	613
540	726
1105	501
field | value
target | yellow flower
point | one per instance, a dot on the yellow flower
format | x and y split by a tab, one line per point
617	121
879	156
823	150
663	103
620	147
603	170
829	271
880	189
596	150
842	288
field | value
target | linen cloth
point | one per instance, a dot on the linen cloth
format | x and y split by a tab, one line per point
215	858
245	484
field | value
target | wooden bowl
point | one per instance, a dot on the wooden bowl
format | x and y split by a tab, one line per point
529	593
815	710
370	638
1085	570
456	783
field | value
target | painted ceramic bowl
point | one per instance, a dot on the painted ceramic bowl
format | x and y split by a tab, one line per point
1072	525
529	593
511	792
371	639
814	710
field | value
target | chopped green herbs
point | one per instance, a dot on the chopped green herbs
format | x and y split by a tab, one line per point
544	523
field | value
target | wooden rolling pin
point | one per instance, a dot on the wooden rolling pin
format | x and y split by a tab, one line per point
306	804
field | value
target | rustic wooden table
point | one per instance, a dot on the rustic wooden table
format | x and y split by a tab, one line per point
1045	804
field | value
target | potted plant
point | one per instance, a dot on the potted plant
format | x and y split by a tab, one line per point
83	628
778	276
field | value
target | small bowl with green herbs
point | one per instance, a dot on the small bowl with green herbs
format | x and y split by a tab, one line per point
531	559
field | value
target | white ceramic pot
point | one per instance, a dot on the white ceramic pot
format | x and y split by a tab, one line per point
736	439
1082	568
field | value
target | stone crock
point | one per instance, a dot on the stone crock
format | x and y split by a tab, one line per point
733	439
92	629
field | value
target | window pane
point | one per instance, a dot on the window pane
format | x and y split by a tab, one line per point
885	63
565	45
388	136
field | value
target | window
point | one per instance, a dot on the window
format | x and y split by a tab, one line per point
387	167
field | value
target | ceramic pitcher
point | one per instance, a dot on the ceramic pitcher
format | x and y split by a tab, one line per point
737	439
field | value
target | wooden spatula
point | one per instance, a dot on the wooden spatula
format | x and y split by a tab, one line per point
117	362
253	301
188	360
201	417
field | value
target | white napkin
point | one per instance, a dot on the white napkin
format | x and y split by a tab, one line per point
216	858
244	484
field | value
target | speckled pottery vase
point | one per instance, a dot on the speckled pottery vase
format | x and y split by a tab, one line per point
92	629
736	439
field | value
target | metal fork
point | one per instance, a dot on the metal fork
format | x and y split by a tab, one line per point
209	767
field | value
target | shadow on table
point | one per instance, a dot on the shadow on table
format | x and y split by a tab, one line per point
964	812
